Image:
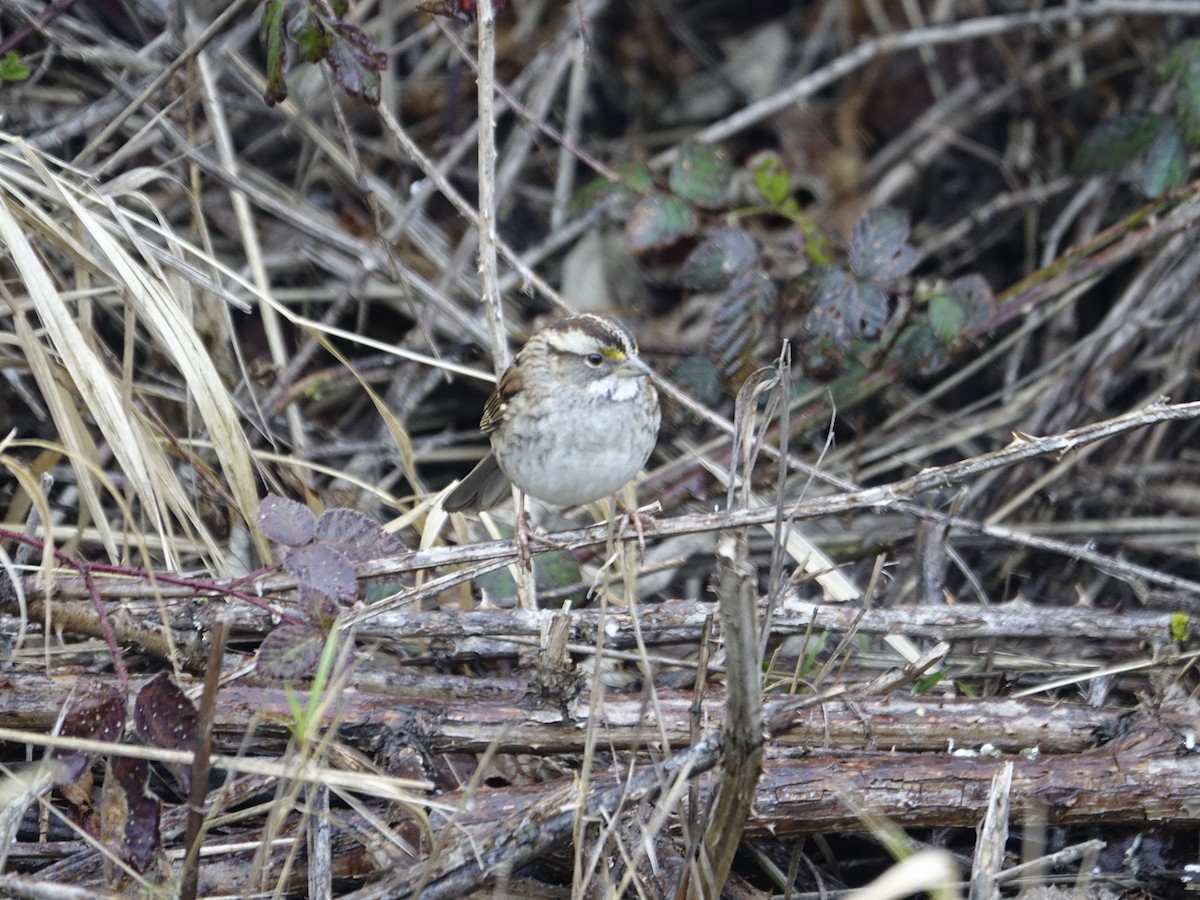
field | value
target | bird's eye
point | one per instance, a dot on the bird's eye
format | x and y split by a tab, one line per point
595	360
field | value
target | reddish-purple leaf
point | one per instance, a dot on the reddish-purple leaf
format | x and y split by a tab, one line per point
98	717
165	717
285	521
738	324
324	569
463	10
355	60
320	608
291	652
359	537
129	815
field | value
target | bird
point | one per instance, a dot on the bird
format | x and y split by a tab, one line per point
572	419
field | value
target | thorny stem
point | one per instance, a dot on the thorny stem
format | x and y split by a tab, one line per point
88	570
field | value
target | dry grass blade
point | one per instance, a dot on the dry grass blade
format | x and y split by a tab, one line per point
78	445
154	306
141	457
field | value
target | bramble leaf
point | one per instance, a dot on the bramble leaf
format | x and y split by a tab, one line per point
700	174
271	34
310	35
291	652
355	60
357	536
771	179
324	569
697	375
1119	141
285	521
12	67
130	813
717	260
1187	104
738	324
879	245
974	295
635	180
1165	165
1183	59
98	717
918	349
165	717
946	318
842	308
658	220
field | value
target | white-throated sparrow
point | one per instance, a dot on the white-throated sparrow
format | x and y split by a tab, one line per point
572	419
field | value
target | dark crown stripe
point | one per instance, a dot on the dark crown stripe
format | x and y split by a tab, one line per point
606	331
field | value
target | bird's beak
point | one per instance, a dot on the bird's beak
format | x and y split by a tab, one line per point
633	368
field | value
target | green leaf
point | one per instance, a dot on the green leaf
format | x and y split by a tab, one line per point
1183	59
918	349
717	260
973	294
271	35
927	683
697	375
635	180
810	658
1118	142
771	179
1187	108
310	35
817	246
946	318
556	570
658	220
879	245
1179	627
700	174
12	68
1165	165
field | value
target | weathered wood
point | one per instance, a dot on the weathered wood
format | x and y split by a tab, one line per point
1146	775
672	622
453	723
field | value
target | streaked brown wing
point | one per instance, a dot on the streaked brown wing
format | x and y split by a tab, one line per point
509	385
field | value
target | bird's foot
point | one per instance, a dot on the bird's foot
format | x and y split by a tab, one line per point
639	520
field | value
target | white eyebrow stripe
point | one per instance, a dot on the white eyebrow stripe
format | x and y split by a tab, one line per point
584	334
